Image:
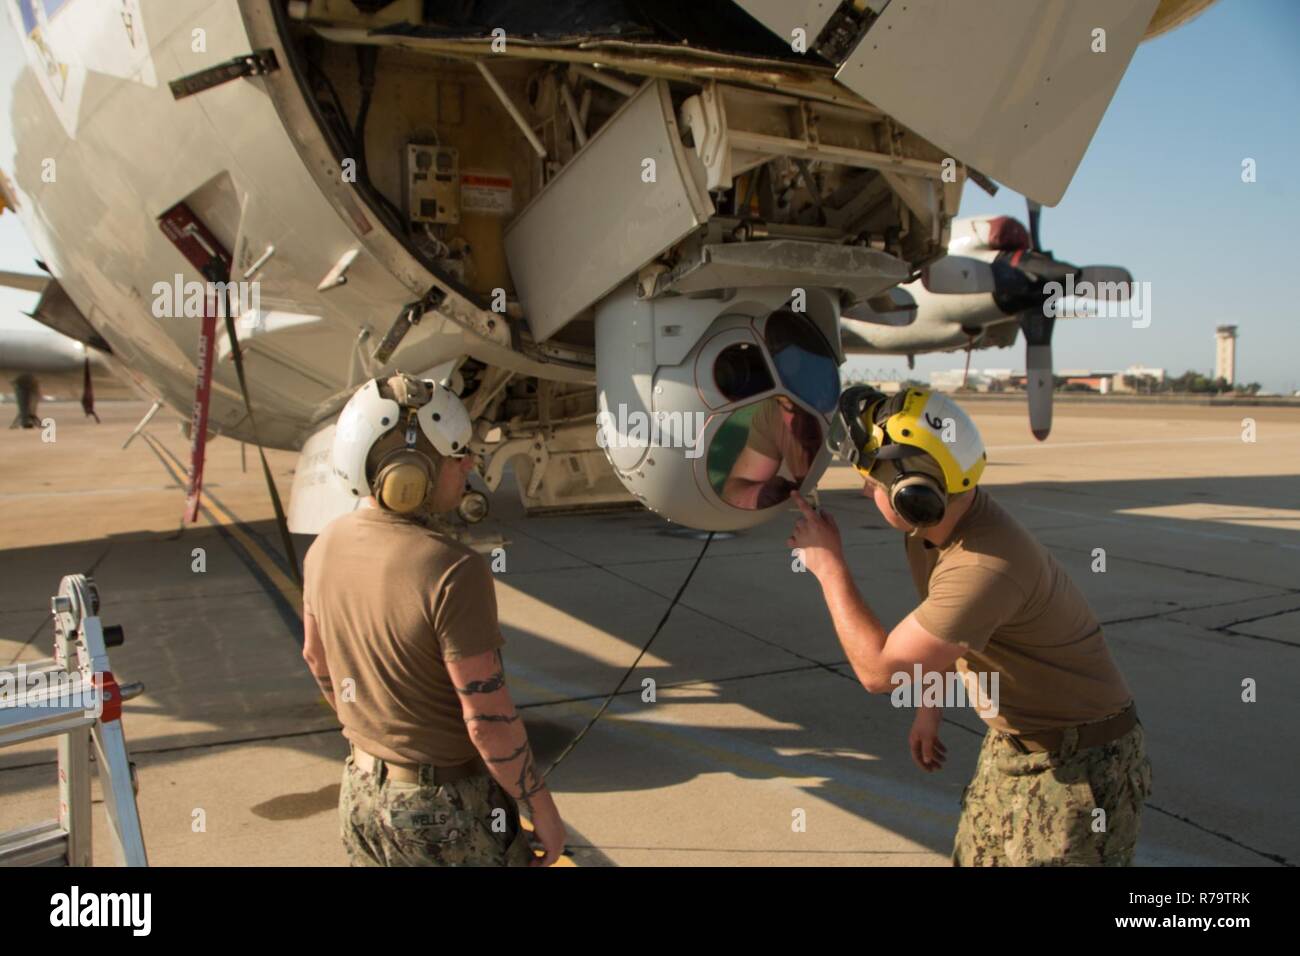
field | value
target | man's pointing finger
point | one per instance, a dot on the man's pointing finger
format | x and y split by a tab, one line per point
807	510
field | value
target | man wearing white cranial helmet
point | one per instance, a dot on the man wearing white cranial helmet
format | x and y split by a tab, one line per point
1063	773
401	633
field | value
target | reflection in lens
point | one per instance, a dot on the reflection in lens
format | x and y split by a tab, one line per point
740	372
762	453
803	359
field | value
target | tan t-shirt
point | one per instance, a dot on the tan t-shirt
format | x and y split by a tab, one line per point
393	600
995	590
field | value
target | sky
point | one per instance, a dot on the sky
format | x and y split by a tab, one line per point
1159	192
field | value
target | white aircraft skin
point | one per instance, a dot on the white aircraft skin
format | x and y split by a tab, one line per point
34	351
134	151
935	322
938	323
98	148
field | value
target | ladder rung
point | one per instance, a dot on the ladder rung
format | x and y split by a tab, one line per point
48	723
42	844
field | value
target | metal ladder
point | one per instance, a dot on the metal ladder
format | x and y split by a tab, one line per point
75	697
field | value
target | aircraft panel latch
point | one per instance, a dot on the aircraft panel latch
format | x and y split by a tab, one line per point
257	63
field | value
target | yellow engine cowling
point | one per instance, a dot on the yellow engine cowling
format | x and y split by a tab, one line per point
1172	14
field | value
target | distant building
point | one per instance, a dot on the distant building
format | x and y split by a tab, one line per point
861	376
949	380
1225	353
1103	381
887	386
1078	380
1142	378
980	380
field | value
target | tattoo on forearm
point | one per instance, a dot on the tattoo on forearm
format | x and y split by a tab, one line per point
514	755
492	718
489	686
528	782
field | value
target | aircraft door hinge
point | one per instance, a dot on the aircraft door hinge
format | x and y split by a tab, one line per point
257	63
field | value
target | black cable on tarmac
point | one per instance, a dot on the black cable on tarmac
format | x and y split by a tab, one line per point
628	673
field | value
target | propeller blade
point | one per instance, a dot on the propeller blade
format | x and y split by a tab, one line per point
1039	385
1039	381
1114	281
1035	211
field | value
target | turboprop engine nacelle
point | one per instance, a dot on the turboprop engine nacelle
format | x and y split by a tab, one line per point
712	410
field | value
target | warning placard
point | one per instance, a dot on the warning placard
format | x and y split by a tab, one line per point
489	194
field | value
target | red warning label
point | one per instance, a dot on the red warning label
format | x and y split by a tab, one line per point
487	193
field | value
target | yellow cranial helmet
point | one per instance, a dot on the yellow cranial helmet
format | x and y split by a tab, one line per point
931	422
919	444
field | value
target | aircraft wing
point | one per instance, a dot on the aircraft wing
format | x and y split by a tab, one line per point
56	310
1013	88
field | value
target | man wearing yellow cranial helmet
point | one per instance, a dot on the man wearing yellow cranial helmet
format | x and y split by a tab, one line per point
1000	626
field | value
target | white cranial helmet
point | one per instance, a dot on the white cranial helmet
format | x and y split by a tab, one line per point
420	407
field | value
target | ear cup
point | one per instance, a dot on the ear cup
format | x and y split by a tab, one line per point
918	499
404	482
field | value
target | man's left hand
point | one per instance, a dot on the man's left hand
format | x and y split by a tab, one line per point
818	537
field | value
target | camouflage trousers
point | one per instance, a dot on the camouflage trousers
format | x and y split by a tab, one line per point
1065	808
470	822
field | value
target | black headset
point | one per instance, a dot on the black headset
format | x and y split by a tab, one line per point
919	499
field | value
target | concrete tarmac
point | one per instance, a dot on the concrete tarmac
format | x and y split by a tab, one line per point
759	746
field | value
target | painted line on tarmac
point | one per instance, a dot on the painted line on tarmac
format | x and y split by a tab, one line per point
267	568
1117	441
